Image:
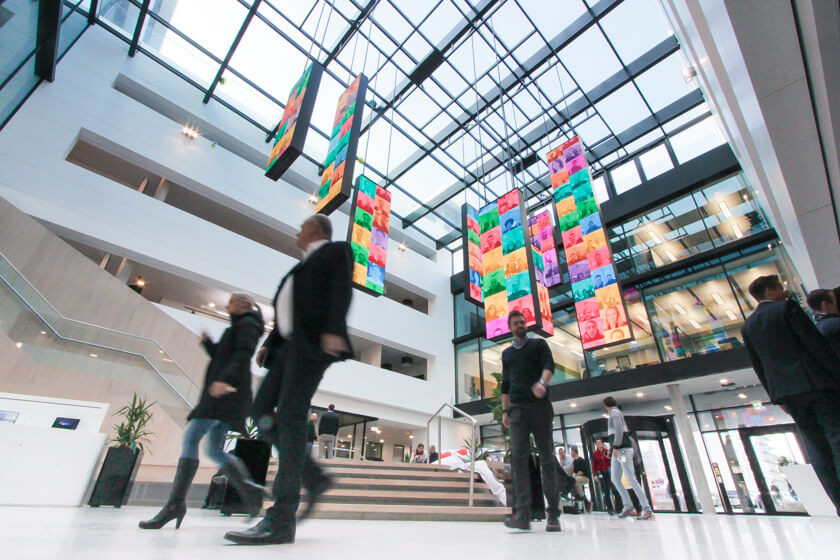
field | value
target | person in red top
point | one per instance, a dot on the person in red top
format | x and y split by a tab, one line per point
601	469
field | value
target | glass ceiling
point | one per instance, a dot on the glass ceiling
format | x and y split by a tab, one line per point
466	97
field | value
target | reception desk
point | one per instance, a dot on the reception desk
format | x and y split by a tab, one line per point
46	466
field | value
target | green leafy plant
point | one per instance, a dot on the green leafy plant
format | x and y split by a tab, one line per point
496	408
132	432
784	461
251	432
473	449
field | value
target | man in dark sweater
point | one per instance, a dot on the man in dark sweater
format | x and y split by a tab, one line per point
582	478
801	373
527	369
824	304
328	430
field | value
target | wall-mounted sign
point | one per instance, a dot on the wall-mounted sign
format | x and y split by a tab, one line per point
291	132
368	235
337	180
508	280
601	313
542	237
472	254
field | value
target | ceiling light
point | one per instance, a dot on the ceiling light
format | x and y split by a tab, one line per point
381	441
742	396
717	298
670	255
746	198
669	407
313	198
403	247
212	305
410	437
43	332
189	132
94	356
731	315
737	231
19	344
679	309
689	73
573	405
694	323
639	395
724	381
655	238
725	209
140	282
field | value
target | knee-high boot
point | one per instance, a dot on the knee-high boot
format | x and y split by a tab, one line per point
249	491
176	507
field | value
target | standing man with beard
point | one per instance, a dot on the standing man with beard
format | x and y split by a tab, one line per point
527	369
310	333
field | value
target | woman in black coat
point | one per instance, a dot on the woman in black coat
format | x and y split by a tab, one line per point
224	405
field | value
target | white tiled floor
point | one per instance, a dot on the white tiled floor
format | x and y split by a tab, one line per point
86	533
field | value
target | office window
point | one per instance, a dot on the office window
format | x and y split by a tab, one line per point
625	177
696	140
638	352
656	161
729	210
467	372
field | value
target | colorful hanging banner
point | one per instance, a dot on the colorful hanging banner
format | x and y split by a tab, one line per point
542	237
368	235
291	132
472	254
508	281
337	179
540	264
601	313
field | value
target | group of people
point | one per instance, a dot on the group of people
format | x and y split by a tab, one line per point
309	334
421	457
325	434
798	363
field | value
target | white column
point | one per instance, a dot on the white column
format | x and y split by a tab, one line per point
695	461
372	355
124	271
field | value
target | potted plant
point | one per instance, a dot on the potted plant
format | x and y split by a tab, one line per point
122	461
255	453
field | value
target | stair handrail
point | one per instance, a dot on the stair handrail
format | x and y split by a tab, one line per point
58	334
440	440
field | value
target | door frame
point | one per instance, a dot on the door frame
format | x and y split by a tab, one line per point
755	466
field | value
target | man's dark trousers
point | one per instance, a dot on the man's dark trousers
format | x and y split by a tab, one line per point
606	487
302	370
526	419
818	418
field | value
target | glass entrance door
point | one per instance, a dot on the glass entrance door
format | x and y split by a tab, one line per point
768	450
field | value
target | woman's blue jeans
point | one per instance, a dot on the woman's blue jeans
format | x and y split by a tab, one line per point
215	448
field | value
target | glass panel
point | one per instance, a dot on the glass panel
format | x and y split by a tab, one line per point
72	26
767	262
491	362
730	212
19	19
623	108
657	476
468	316
720	464
775	451
628	355
179	53
625	177
18	87
696	140
212	24
686	316
467	370
121	14
590	59
636	26
656	161
746	489
663	84
565	346
678	489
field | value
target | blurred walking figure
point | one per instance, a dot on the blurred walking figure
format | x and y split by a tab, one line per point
622	461
224	405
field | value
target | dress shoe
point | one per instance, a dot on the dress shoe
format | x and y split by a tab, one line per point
553	524
627	513
647	514
315	492
516	521
262	533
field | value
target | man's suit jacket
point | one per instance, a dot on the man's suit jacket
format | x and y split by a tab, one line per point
321	296
788	353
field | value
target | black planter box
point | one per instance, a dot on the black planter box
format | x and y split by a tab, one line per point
255	453
116	477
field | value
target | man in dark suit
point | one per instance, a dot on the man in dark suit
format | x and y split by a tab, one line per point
309	334
801	373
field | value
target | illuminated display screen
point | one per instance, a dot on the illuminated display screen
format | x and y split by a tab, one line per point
601	314
368	235
542	237
472	254
508	280
341	153
291	132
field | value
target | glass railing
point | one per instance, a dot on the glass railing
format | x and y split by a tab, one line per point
49	338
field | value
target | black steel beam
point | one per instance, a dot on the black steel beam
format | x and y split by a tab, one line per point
138	29
94	6
49	26
618	80
209	95
354	27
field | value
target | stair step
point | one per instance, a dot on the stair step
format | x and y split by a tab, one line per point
408	512
404	497
371	483
391	474
378	465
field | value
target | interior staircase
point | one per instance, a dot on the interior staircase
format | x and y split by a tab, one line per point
402	491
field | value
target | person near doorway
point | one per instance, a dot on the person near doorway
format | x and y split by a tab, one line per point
309	335
565	460
601	470
826	316
527	369
311	434
801	373
582	477
328	431
622	461
223	406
